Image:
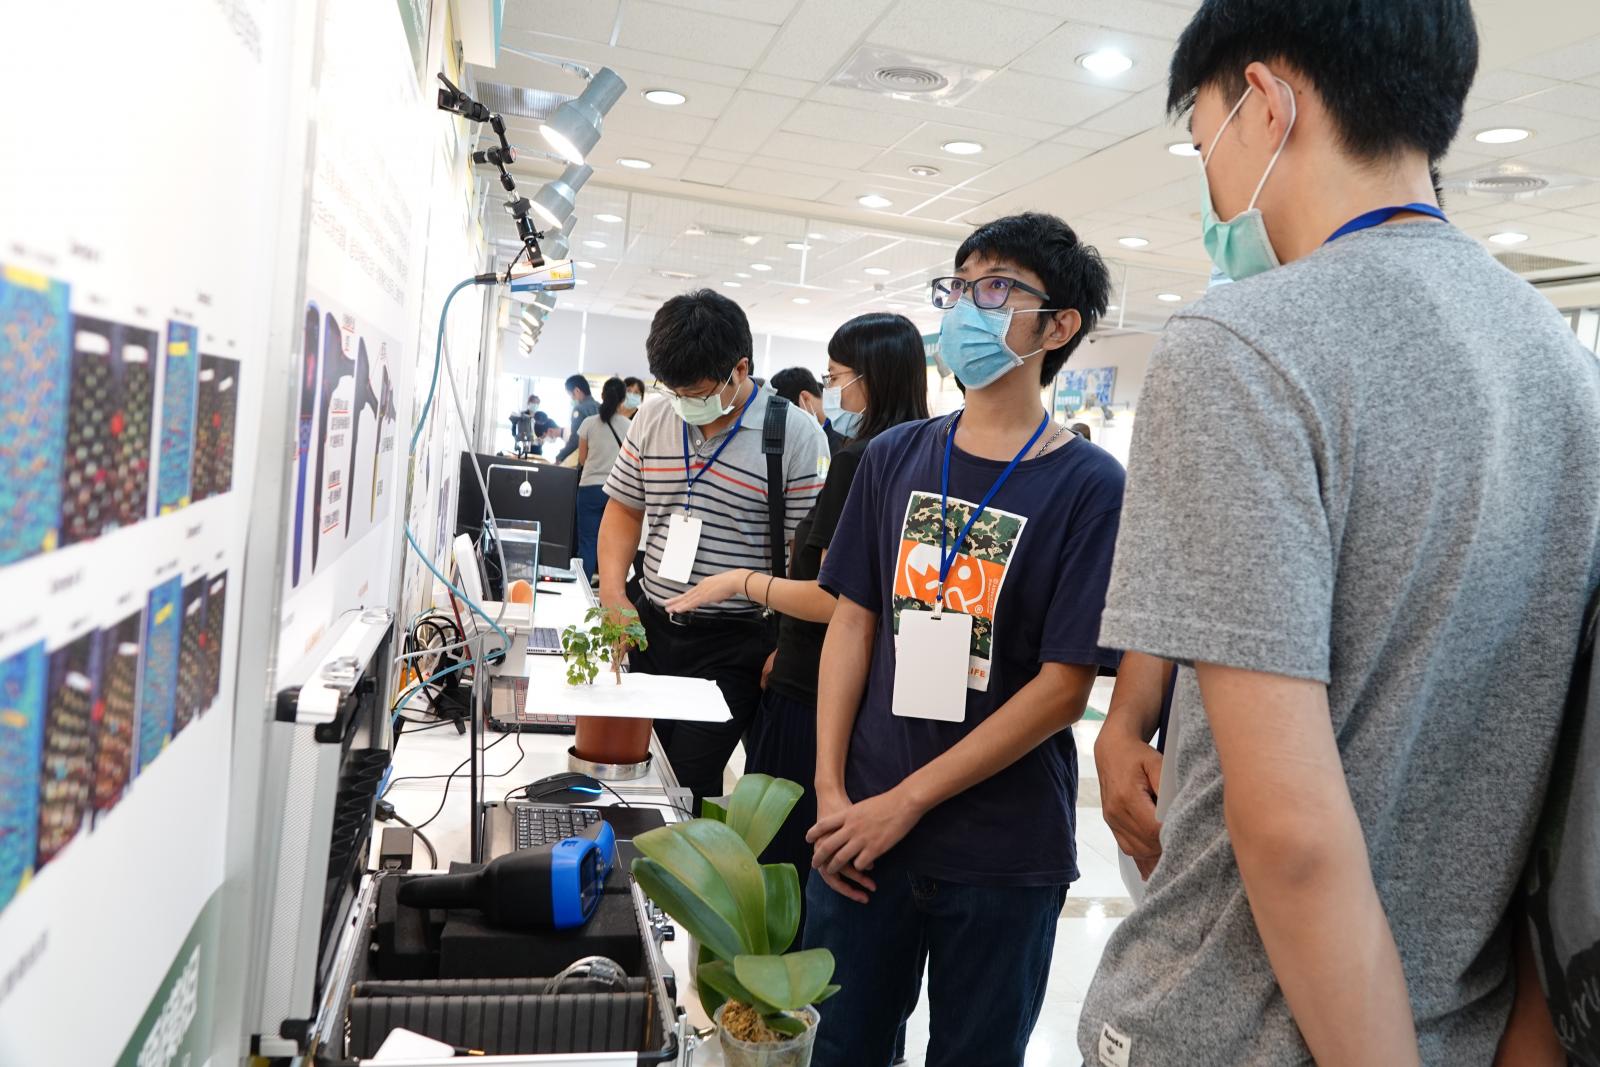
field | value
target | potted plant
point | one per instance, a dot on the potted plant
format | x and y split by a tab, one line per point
608	635
744	916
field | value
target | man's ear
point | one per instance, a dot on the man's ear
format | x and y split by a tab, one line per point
1061	328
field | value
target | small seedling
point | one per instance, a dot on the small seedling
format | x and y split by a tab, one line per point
609	634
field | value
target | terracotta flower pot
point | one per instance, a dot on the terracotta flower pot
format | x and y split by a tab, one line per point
607	739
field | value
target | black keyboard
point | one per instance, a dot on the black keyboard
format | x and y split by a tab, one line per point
545	824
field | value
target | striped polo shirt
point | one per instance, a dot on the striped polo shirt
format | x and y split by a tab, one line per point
730	499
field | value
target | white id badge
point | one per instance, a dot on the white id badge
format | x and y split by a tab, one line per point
930	671
683	541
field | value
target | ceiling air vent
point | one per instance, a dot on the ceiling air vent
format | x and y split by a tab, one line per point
886	72
1525	263
1508	184
1512	181
523	103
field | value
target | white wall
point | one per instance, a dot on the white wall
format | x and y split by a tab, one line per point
1129	353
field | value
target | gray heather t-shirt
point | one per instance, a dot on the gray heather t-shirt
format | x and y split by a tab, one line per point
1378	468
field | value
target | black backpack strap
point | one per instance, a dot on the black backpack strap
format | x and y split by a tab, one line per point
772	431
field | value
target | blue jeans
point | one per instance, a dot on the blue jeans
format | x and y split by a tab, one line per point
988	954
591	508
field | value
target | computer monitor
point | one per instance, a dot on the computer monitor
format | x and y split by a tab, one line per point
551	500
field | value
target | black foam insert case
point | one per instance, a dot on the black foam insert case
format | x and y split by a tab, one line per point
507	1024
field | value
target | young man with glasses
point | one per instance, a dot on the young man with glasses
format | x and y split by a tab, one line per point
692	478
970	564
1372	575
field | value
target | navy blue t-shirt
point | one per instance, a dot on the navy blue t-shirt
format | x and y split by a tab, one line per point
1033	575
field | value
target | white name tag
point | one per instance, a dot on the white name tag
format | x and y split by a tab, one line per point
683	541
1114	1047
930	672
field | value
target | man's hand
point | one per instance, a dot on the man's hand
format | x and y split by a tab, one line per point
849	840
1130	772
849	882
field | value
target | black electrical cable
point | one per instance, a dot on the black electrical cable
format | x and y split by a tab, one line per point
521	755
435	777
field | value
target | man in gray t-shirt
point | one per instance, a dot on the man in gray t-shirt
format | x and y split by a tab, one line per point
1363	513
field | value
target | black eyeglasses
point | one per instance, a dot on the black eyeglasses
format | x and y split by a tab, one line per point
989	293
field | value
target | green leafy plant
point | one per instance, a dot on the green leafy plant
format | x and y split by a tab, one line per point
609	636
745	914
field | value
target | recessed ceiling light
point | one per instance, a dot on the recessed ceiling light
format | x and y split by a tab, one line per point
873	200
583	281
635	164
1132	242
875	271
761	266
962	148
798	246
731	285
801	300
1168	298
921	171
594	244
586	265
664	97
1502	135
741	274
1183	148
694	231
607	217
815	236
1107	62
897	307
1509	237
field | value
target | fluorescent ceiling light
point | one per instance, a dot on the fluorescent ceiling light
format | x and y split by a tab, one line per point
607	217
664	97
761	266
583	281
741	274
1132	242
1508	237
801	300
1183	148
557	199
731	285
594	244
694	231
962	148
798	246
751	238
876	271
1107	62
1168	298
574	129
1502	135
815	236
585	264
873	200
635	164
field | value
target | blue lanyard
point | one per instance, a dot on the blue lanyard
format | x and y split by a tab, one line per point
1383	215
947	558
694	479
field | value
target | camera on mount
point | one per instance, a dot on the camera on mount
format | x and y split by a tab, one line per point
453	99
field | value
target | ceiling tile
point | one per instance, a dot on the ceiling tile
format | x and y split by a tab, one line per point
806	149
1029	166
635	65
651	121
781	183
819	37
962	29
1580	101
1578	157
1037	128
749	119
1137	114
1135	16
1569	63
652	26
586	22
709	171
1057	56
1498	86
724	156
798	88
928	138
1065	102
1079	137
953	170
1549	128
848	124
772	11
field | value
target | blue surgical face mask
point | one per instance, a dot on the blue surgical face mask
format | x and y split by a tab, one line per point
632	400
972	342
701	410
845	422
1240	247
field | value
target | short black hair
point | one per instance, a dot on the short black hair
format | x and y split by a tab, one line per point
1073	273
696	337
1393	74
580	383
887	351
634	383
792	381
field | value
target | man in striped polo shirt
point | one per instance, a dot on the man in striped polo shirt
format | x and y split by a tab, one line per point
692	477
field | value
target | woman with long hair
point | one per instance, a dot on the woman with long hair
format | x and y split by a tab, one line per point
600	438
877	378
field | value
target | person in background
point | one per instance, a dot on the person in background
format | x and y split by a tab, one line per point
583	406
877	361
800	387
692	477
977	545
599	440
1377	628
533	406
634	399
1082	430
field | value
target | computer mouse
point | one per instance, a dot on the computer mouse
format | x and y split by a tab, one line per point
568	787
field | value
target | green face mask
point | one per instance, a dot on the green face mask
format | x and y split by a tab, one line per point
1240	247
700	410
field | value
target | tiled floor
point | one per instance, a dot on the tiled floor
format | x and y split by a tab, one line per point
1094	908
